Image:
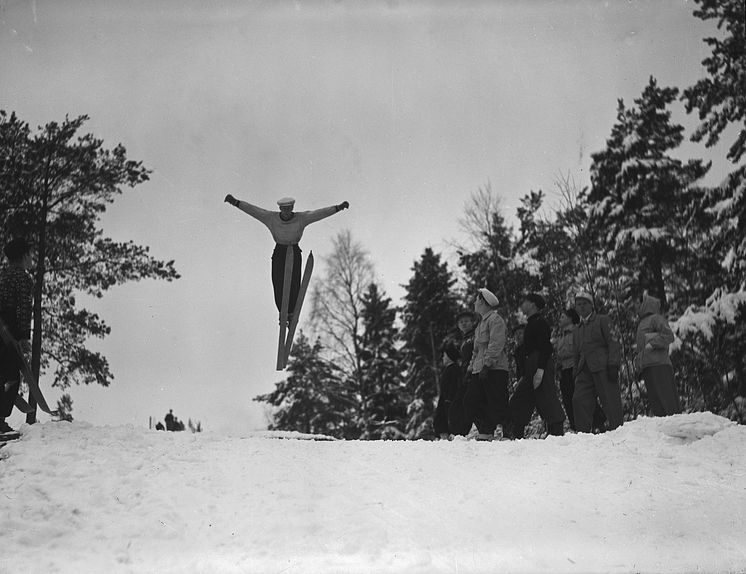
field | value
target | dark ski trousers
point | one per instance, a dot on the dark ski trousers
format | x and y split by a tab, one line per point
661	386
278	274
448	390
589	386
567	388
544	399
9	373
486	402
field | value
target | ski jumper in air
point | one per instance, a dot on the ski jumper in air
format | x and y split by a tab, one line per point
286	227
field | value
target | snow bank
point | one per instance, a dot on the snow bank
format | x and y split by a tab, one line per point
657	495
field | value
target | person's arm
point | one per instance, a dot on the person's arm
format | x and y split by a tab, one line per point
662	337
612	344
319	214
254	211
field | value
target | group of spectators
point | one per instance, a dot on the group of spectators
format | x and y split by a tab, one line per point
475	387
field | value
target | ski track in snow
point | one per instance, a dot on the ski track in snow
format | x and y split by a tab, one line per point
657	495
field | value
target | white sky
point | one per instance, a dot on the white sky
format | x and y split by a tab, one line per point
402	108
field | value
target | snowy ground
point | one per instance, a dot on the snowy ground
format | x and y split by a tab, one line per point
658	495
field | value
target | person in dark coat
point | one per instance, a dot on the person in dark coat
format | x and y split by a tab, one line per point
535	388
169	418
16	303
450	380
466	323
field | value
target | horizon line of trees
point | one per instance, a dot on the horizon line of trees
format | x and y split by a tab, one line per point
646	223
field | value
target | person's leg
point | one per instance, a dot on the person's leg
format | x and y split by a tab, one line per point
661	385
521	408
548	403
278	273
610	397
497	404
584	401
474	401
567	388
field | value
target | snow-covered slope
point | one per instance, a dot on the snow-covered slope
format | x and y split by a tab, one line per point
657	495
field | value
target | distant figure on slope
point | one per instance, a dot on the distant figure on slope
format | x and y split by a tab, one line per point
16	297
286	227
169	418
652	360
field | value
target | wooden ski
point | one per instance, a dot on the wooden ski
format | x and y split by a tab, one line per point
289	255
33	383
298	305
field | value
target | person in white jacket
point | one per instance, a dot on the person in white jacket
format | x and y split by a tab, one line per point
486	398
286	227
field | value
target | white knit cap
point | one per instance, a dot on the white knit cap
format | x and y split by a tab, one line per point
489	297
286	201
584	295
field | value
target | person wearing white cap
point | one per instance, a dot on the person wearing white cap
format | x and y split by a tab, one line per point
486	398
286	227
596	367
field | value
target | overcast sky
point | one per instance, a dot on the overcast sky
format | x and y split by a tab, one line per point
404	109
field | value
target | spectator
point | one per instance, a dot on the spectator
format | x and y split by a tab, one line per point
652	361
16	297
486	398
535	388
566	357
457	422
450	379
467	323
169	418
596	367
518	351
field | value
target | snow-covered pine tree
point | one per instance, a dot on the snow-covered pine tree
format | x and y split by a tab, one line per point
713	328
382	369
428	315
312	399
639	191
721	97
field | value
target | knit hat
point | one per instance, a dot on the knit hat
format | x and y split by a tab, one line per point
15	249
489	297
286	201
537	300
450	349
584	295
